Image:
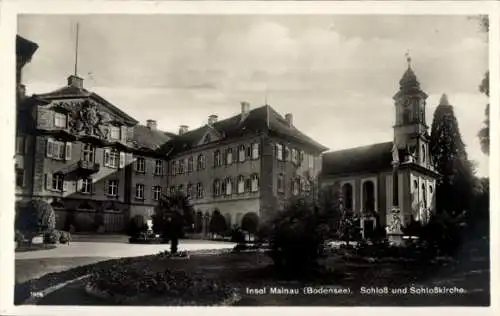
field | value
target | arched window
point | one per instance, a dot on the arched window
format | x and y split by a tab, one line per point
201	162
217	159
198	226
406	115
229	156
295	186
228	219
348	196
423	153
415	184
369	196
255	182
241	153
190	164
241	184
430	189
229	186
255	150
217	187
424	196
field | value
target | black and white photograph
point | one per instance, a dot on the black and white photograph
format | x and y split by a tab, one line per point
250	159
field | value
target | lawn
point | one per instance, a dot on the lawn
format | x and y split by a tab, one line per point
246	271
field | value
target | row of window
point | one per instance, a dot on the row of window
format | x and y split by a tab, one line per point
112	157
224	187
61	121
55	182
140	166
285	153
141	188
243	153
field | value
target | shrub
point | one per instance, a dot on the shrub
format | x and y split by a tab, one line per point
51	236
442	234
349	228
19	237
36	216
237	235
297	237
64	237
137	224
250	223
45	215
218	223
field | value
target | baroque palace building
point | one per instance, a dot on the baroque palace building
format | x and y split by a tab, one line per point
393	182
247	165
98	167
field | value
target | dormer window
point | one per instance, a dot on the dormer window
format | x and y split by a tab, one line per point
114	132
60	120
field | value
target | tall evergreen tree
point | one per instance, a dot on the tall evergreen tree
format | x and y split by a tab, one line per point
456	187
484	87
484	133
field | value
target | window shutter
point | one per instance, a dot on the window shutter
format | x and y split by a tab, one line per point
65	185
79	185
68	151
122	160
50	148
48	181
123	133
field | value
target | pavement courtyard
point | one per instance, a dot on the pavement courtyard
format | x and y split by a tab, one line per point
88	249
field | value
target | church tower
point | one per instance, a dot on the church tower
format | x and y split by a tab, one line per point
411	134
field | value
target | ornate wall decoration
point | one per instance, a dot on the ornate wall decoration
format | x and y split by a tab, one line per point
89	120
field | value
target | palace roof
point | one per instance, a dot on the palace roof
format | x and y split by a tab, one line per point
259	120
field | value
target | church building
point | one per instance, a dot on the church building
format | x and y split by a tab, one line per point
393	182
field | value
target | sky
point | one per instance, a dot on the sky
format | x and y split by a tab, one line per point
335	73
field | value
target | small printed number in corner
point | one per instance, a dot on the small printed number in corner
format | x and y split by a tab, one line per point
37	294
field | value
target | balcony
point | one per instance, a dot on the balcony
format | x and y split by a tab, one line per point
88	166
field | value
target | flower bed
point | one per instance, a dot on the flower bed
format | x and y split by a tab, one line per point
123	284
33	247
152	240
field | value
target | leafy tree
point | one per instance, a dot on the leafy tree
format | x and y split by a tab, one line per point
331	204
297	237
250	223
172	214
218	223
456	186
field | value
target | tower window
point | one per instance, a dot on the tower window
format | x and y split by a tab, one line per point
423	153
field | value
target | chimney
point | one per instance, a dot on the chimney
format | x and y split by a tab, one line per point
245	108
212	119
75	81
183	129
151	124
289	119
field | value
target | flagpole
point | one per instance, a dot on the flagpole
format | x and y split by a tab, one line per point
76	49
